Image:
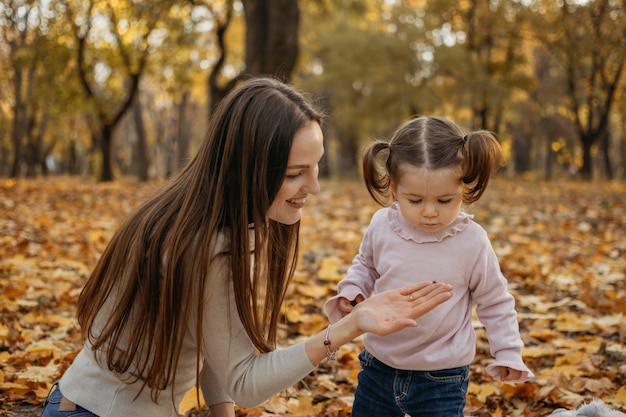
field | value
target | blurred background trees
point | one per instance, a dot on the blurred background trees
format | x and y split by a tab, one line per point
112	88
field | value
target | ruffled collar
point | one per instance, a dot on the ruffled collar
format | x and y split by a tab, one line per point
409	232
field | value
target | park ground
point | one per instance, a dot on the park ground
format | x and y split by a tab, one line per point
562	246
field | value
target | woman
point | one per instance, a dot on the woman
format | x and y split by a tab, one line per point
190	287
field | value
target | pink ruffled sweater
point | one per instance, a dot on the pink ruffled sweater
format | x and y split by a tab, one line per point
394	253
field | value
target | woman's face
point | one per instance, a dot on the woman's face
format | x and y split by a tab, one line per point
301	176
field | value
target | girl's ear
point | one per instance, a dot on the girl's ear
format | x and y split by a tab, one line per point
393	188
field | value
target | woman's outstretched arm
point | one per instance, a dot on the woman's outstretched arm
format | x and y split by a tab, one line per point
242	375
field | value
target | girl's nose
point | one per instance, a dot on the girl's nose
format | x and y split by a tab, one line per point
430	210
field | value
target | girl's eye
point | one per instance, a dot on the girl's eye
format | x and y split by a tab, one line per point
293	176
415	201
445	201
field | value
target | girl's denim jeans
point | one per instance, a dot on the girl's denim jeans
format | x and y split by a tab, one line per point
51	406
390	392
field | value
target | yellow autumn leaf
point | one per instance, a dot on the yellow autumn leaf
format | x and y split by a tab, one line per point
190	401
571	358
620	397
34	373
293	312
330	269
482	391
315	291
13	386
571	322
302	406
567	370
42	348
538	351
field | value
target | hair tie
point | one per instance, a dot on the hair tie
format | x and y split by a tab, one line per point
464	138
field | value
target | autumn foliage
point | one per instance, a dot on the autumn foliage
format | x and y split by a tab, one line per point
562	246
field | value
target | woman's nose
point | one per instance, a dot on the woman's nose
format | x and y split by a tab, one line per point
313	186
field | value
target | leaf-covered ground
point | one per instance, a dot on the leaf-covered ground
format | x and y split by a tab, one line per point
562	246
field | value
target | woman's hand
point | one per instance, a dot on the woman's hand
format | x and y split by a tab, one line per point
393	310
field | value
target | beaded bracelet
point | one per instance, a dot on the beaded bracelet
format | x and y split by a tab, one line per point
330	355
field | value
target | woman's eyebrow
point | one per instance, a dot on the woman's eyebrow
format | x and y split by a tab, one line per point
301	166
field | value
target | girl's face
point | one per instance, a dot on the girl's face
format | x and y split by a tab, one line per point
429	199
301	176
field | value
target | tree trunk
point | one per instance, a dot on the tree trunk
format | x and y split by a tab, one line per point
43	150
141	160
271	44
521	153
547	175
217	91
4	154
348	152
18	126
106	138
622	147
606	154
182	139
586	170
70	163
107	118
271	37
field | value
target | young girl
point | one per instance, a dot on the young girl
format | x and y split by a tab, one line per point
431	169
189	289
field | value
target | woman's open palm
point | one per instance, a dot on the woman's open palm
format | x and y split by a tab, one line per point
394	310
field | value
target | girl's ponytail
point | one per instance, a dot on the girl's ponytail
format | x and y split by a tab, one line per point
377	180
483	156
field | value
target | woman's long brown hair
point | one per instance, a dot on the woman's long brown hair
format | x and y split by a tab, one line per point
158	260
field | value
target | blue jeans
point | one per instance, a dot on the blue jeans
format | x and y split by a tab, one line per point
51	406
384	391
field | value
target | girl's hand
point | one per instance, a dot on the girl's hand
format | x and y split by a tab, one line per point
345	306
508	374
393	310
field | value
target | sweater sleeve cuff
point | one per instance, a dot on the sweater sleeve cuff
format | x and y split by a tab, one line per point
494	370
509	358
332	305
